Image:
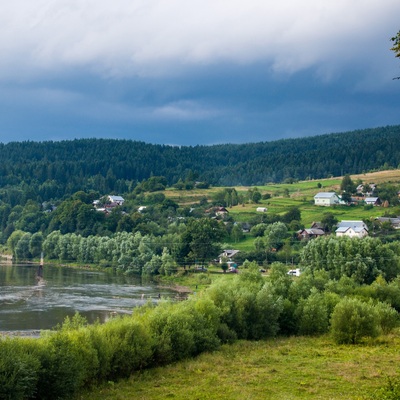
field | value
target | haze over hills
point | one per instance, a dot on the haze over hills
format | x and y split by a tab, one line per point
109	165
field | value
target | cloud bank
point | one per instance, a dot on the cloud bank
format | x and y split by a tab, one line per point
188	72
126	37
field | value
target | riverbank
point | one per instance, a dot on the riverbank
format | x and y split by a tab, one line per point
34	333
6	258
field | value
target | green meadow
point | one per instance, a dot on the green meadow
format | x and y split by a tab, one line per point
282	368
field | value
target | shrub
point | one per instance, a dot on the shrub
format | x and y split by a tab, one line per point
63	366
269	309
178	331
127	344
19	369
162	347
352	320
313	314
387	316
183	330
206	321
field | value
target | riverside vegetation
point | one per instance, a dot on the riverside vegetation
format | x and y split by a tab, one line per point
245	307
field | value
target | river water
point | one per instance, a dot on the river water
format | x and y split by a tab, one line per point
28	305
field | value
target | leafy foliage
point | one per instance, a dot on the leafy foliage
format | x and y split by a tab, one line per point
362	260
19	370
354	320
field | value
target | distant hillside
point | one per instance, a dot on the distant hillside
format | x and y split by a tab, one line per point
105	165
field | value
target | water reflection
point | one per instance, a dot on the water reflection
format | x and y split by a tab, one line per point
29	304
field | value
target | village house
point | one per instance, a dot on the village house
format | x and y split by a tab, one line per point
352	229
246	227
115	200
227	255
305	234
394	222
317	225
326	199
221	211
373	201
108	204
218	211
361	189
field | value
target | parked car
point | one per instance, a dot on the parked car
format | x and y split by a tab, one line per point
200	268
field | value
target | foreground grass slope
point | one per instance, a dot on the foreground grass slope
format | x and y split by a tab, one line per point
283	368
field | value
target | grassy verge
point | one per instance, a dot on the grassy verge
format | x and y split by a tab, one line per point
285	368
192	281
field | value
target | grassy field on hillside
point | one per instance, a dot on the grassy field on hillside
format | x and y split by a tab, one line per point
297	194
302	188
309	212
282	368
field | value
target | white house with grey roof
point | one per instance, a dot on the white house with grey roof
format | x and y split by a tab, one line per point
352	229
116	200
326	199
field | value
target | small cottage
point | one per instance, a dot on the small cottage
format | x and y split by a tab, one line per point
326	199
227	255
373	201
305	234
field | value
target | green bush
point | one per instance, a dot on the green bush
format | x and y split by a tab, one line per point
247	306
352	320
19	369
313	314
64	360
205	323
184	329
127	344
179	332
387	316
157	318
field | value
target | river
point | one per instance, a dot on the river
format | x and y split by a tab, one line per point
28	305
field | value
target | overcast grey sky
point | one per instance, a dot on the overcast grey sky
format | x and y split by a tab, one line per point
190	72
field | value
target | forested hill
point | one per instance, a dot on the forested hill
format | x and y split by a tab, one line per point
109	165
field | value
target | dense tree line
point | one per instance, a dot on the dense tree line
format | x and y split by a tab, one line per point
362	260
43	171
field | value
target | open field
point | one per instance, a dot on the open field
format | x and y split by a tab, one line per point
283	368
297	194
304	190
309	212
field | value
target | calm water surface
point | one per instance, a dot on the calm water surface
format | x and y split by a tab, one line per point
26	304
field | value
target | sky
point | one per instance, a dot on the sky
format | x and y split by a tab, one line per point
206	72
